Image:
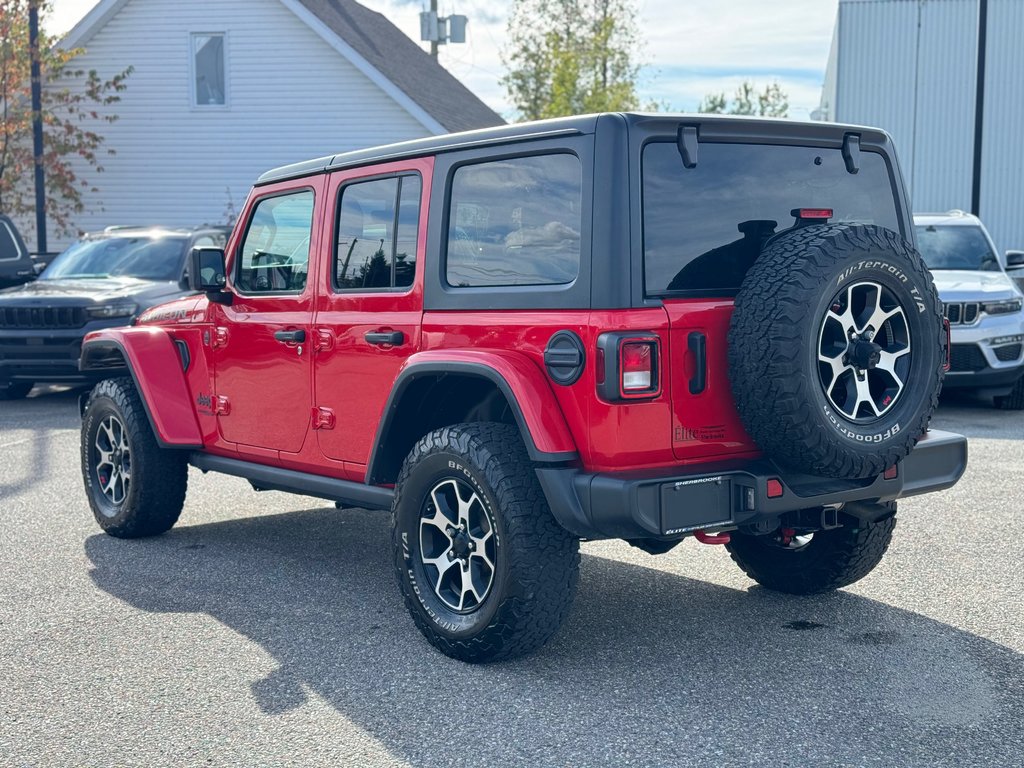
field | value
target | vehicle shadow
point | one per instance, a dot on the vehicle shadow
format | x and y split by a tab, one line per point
650	667
28	430
965	412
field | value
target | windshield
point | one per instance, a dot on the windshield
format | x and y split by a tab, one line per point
143	257
956	247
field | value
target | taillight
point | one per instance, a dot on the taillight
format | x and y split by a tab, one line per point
629	366
638	360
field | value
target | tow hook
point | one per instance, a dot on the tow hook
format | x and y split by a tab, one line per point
711	538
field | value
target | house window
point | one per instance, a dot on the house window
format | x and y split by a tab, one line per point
209	81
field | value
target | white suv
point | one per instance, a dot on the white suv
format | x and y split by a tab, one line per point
984	308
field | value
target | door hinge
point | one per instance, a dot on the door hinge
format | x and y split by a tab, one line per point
323	418
220	337
221	405
323	340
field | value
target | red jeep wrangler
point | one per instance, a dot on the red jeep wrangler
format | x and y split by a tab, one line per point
642	327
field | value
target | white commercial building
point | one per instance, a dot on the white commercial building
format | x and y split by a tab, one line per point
917	68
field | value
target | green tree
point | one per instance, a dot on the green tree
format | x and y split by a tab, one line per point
771	102
72	109
569	57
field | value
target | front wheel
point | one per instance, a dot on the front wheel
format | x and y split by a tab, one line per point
1013	401
135	487
485	570
808	564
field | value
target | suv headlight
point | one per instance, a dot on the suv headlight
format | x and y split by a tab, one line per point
106	311
1001	307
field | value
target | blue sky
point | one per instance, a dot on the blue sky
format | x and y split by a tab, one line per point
691	47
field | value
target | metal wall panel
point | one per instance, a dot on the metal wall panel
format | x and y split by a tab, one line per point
1002	179
942	152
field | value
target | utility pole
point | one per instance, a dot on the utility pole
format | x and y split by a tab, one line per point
37	124
433	43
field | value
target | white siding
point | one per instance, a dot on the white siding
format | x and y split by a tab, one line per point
909	66
291	97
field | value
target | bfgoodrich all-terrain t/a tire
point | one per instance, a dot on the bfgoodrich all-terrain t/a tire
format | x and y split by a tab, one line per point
135	487
485	570
814	563
836	349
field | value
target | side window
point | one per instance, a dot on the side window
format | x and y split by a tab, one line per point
516	222
209	79
9	249
377	228
275	252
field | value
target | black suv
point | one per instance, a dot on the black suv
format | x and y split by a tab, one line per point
105	279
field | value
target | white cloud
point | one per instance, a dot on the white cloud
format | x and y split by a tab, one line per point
688	38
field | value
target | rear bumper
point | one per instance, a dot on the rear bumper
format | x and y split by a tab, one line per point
657	505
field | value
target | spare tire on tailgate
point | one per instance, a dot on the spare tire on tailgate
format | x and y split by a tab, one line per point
837	349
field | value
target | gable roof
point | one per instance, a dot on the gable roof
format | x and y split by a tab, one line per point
404	63
373	45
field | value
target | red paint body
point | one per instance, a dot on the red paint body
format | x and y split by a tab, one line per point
251	396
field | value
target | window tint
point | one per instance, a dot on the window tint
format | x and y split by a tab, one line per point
209	85
9	249
704	226
275	253
515	222
376	248
956	247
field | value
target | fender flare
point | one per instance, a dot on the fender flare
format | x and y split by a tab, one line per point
528	392
164	392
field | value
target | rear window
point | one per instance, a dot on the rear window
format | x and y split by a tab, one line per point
704	226
956	247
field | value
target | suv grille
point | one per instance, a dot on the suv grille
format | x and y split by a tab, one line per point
42	317
961	314
1007	353
966	357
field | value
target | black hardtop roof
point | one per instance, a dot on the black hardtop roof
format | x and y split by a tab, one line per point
718	127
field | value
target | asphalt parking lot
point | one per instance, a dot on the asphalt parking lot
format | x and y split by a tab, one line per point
267	629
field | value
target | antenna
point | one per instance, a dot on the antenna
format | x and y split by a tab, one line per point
441	30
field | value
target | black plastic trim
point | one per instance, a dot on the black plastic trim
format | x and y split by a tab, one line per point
186	358
565	358
437	369
631	505
698	345
277	479
112	372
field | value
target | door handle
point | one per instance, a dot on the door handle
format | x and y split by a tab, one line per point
290	337
384	337
697	343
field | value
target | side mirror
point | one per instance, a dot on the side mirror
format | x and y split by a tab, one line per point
1014	259
207	274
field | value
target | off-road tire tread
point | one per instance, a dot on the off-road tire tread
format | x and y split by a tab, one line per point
159	475
764	353
833	559
543	557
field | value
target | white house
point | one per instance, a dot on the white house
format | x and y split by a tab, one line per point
225	89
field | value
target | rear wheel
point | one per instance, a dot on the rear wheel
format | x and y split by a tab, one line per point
1013	401
15	390
813	562
485	570
135	487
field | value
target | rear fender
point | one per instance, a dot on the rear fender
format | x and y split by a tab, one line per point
150	357
524	386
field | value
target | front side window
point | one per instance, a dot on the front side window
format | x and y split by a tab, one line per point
956	247
705	226
275	252
209	80
377	228
9	249
516	222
